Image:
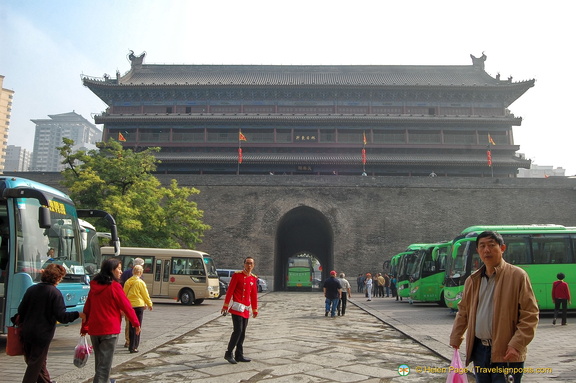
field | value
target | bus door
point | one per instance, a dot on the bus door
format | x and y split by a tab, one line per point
161	282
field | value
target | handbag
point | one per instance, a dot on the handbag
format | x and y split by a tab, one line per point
457	372
14	344
82	352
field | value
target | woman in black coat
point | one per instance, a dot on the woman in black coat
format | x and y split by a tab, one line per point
41	306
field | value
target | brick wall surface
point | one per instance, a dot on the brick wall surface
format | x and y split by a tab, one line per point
371	219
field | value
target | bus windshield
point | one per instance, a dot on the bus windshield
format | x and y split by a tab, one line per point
210	267
36	247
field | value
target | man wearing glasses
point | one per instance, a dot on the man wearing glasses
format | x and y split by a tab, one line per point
243	291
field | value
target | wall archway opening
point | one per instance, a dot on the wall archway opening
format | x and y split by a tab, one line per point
303	230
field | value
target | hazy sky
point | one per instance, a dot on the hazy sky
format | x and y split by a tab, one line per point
46	45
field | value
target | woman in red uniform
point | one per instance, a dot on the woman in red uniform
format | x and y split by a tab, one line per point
243	290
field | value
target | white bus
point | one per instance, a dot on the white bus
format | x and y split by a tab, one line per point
189	276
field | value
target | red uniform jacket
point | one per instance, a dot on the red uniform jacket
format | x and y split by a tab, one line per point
243	289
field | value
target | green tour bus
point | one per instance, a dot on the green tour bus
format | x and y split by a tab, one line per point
542	251
300	273
406	267
428	273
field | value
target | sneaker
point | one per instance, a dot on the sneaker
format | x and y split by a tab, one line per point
326	314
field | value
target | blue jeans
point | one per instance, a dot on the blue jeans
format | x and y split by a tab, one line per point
497	373
331	305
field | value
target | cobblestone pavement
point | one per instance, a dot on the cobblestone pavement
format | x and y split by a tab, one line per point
292	341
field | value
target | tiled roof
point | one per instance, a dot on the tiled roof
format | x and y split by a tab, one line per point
317	75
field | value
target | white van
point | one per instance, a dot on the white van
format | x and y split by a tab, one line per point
225	275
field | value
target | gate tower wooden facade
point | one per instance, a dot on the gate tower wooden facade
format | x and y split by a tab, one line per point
384	120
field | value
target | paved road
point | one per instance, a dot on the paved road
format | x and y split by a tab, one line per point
292	341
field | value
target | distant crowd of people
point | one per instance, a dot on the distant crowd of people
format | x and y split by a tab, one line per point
377	285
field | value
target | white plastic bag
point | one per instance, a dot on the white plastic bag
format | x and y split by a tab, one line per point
81	352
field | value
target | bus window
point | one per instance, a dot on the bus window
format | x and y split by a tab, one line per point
177	266
158	271
148	262
188	266
166	274
550	249
517	250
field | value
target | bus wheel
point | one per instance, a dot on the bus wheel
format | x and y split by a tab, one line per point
198	301
187	297
442	302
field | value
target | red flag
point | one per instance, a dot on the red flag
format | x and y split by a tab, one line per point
490	140
364	136
121	137
489	157
363	156
241	137
240	155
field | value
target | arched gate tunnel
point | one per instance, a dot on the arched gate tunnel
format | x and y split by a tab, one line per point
302	229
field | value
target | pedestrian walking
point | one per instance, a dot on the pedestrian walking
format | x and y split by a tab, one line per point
561	298
104	307
369	284
498	312
137	293
332	293
41	307
243	292
346	293
127	274
387	285
360	282
381	282
394	288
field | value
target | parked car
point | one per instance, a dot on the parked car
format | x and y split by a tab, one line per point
262	285
226	275
223	289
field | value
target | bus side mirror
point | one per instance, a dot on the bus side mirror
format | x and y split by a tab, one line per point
44	220
455	249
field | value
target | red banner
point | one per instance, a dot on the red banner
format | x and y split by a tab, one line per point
363	156
239	155
489	157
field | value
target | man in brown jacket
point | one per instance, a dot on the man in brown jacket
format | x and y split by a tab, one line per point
500	313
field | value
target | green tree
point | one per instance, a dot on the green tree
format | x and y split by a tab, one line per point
120	181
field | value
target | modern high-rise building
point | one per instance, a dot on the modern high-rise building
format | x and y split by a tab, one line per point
49	135
6	96
381	120
17	159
